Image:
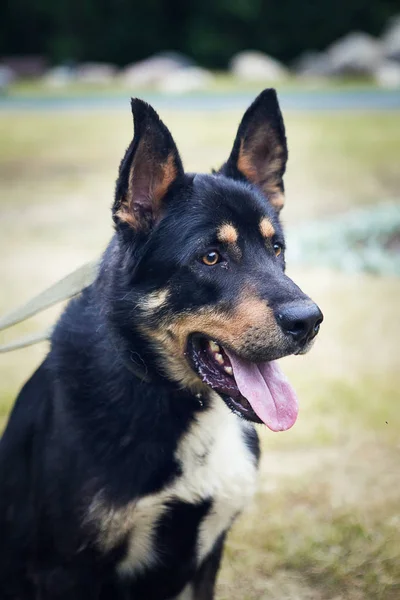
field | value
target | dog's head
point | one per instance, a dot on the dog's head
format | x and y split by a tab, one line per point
200	279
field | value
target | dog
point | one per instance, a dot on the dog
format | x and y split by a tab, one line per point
132	449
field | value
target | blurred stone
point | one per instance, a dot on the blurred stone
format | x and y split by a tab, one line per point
179	58
153	70
313	64
59	76
189	79
7	76
355	54
96	73
255	66
388	74
391	39
26	66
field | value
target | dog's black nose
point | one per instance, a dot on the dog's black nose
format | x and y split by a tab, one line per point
301	321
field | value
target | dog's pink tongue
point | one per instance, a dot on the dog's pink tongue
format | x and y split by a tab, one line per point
268	391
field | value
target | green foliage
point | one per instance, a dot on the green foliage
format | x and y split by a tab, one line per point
210	31
366	239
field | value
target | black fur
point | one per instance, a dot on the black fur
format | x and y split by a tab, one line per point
87	424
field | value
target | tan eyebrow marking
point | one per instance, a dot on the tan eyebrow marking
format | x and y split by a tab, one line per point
266	228
227	234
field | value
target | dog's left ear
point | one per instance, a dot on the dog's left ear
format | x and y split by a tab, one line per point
150	166
259	153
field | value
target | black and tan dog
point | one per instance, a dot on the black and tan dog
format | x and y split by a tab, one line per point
132	448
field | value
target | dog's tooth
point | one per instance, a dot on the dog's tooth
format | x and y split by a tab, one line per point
219	358
214	346
229	370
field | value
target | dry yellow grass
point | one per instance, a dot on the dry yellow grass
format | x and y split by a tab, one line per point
325	524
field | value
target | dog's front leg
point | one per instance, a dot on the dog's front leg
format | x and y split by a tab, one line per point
63	583
204	581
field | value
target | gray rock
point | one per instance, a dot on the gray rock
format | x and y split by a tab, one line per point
355	54
188	79
150	72
59	76
387	74
391	39
251	65
313	64
29	65
178	57
96	73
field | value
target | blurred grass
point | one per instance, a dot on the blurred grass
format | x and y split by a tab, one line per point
336	159
325	523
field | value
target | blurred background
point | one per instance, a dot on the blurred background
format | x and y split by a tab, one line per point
325	524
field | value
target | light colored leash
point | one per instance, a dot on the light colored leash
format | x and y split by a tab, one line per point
63	289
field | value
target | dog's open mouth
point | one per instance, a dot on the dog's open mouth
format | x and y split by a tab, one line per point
259	392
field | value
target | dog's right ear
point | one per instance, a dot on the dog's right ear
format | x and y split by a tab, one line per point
150	165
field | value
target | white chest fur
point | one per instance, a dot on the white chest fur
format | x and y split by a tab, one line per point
216	464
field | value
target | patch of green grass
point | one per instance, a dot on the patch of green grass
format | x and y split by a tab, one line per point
372	404
348	555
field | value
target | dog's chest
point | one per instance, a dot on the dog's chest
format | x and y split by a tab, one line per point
218	471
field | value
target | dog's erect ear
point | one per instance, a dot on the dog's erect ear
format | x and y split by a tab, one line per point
150	165
259	152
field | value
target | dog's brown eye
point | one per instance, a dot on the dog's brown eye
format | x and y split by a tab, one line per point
277	249
211	258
